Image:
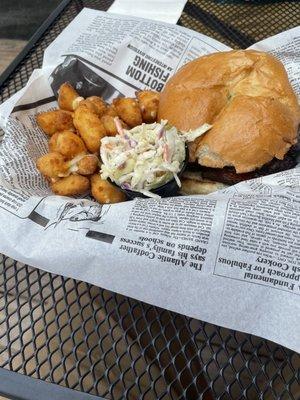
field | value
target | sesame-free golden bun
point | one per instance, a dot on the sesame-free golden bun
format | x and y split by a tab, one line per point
246	96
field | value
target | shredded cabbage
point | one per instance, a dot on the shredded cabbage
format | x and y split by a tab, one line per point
145	157
191	135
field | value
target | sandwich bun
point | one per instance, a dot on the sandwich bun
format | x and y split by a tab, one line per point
247	98
192	182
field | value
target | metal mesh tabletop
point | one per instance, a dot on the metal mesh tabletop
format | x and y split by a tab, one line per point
86	338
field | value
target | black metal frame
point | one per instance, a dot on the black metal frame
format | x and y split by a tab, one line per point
32	41
141	321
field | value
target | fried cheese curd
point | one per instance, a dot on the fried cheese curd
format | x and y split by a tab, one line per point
71	185
55	121
67	143
68	98
104	192
75	131
129	111
148	102
89	127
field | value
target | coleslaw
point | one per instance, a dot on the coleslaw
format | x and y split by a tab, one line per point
145	157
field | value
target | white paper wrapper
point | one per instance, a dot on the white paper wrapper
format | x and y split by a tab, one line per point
158	10
231	258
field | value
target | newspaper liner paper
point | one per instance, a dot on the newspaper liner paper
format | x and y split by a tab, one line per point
231	258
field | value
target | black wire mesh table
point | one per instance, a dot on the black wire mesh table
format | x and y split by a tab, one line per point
78	336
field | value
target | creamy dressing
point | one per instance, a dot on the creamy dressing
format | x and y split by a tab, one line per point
145	157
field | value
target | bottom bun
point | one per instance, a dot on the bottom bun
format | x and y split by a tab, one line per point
193	183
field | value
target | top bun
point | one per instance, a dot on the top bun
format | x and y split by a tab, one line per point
246	96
